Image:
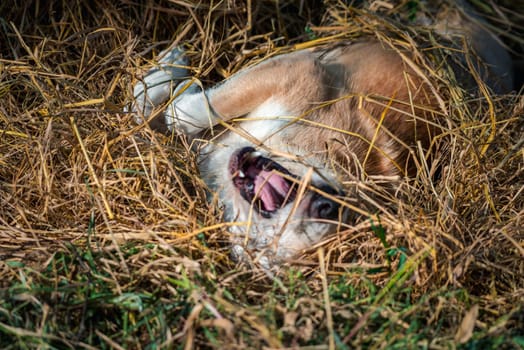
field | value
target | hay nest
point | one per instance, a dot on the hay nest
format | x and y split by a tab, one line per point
86	192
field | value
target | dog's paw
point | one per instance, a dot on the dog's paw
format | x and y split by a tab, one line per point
182	115
174	59
158	83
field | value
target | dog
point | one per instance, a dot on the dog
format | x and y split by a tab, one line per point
282	136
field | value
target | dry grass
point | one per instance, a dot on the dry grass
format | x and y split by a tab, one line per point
107	241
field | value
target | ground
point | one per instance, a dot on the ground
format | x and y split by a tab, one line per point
106	237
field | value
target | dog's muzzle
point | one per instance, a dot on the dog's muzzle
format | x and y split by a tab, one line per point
268	186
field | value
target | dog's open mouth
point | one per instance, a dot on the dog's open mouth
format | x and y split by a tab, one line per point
261	181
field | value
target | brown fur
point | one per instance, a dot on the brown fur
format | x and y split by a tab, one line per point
289	119
344	79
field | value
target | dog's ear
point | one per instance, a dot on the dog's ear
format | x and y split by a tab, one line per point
388	106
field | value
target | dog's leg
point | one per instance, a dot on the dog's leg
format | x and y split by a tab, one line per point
495	65
292	82
157	85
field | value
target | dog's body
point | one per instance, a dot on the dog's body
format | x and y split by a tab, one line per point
296	126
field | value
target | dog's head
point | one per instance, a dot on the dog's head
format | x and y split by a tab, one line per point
279	206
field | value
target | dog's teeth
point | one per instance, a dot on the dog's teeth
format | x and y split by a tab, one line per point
241	174
255	154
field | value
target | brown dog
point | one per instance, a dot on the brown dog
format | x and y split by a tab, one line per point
289	124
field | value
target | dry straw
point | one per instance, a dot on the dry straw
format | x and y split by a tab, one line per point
75	170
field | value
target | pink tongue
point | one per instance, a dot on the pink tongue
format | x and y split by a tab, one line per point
271	189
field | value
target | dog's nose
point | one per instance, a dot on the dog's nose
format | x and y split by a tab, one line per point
324	208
